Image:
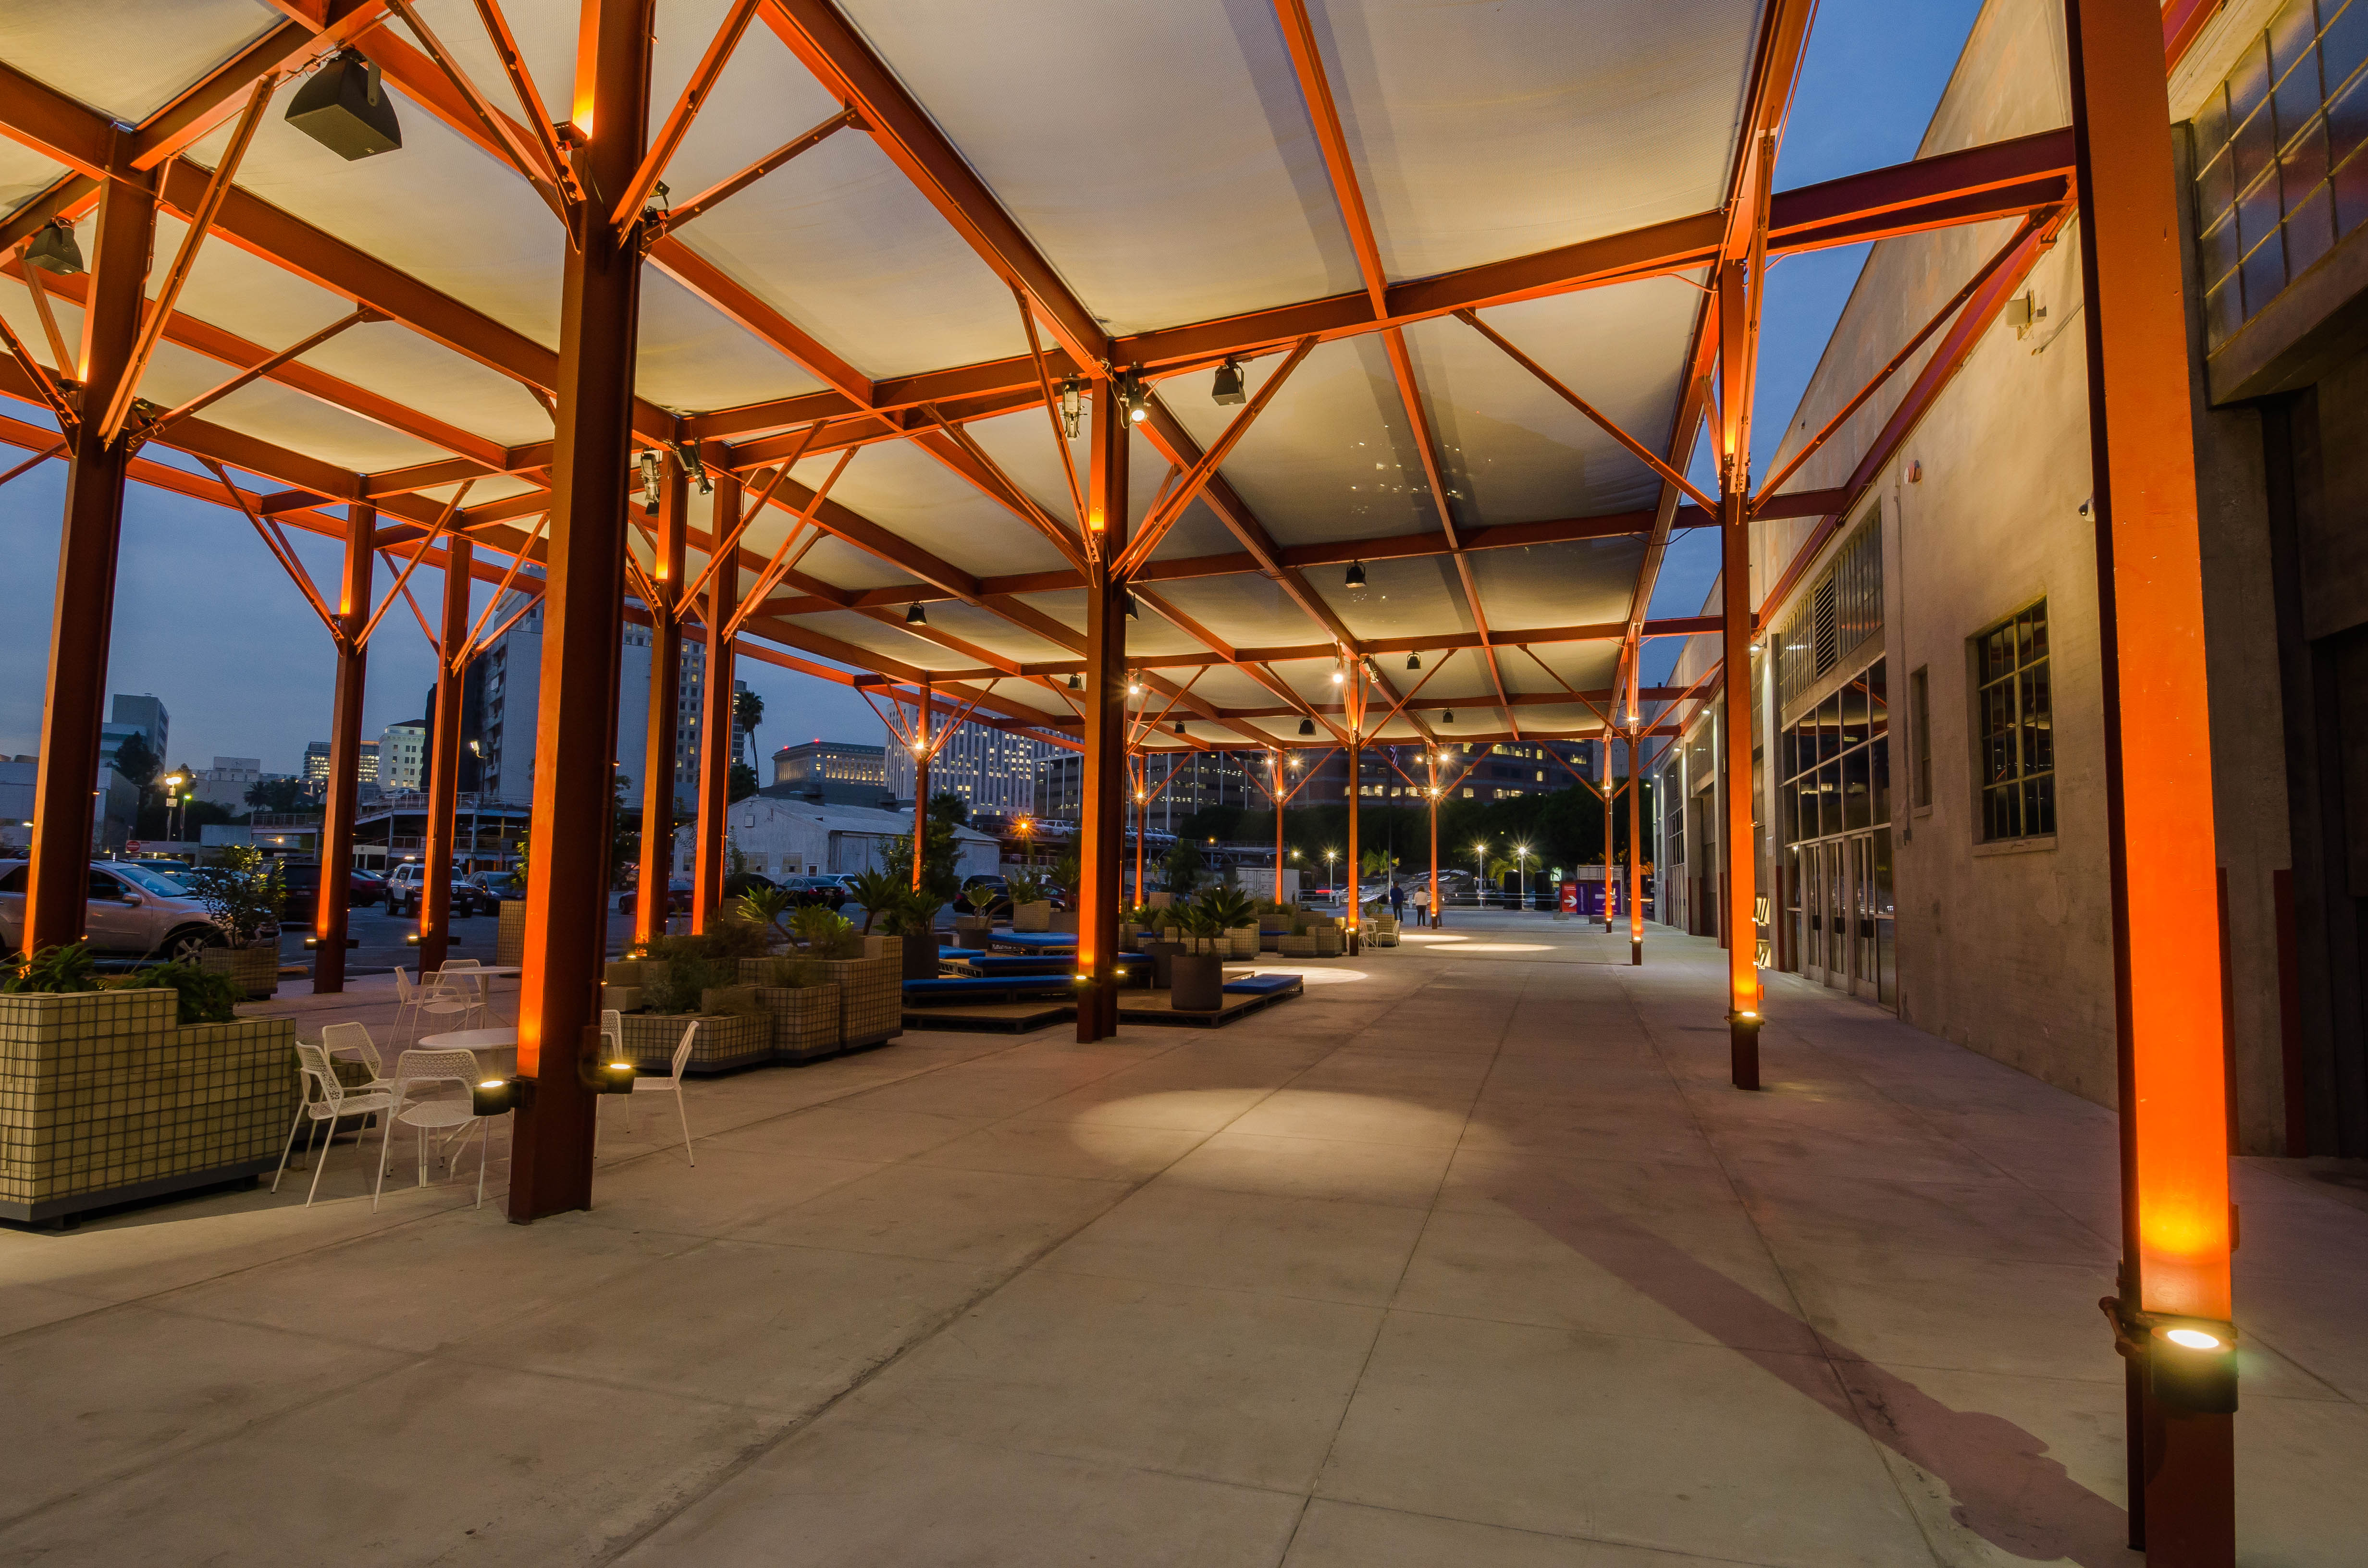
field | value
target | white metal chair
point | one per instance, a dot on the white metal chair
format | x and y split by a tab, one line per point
336	1100
466	978
441	1113
672	1080
353	1041
425	998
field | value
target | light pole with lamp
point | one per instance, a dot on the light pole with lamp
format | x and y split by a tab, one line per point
176	801
1520	876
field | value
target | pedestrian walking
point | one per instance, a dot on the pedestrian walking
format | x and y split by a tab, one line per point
1397	902
1422	906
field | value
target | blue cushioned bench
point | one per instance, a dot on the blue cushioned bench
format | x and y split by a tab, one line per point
1046	941
981	987
960	955
1265	985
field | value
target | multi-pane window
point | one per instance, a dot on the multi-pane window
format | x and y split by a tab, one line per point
1920	717
2279	169
1835	765
2015	738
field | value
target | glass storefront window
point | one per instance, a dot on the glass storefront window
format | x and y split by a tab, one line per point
1854	783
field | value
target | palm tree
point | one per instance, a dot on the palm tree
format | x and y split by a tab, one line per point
748	712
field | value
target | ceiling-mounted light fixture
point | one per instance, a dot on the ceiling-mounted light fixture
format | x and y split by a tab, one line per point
1073	405
1179	726
1447	717
1340	675
1307	726
1134	688
53	249
1228	386
1076	682
1413	661
1134	395
345	108
915	615
1356	573
653	466
1133	613
686	454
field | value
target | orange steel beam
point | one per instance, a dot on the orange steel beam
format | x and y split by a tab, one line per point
2177	1226
723	189
1316	87
1198	475
839	58
692	98
220	93
526	154
60	355
252	373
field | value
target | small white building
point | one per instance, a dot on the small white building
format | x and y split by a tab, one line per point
806	838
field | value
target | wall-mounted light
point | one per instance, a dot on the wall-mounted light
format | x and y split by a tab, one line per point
1076	682
1134	395
494	1097
652	470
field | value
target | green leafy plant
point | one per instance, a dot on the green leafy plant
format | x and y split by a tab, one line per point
244	890
772	907
207	996
1028	887
1227	907
800	974
912	913
695	965
1184	866
877	891
53	971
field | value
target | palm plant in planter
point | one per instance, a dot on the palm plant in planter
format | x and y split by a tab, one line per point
1197	975
1237	919
879	892
913	917
1032	903
244	891
766	909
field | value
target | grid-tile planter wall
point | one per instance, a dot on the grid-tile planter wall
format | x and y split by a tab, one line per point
104	1100
255	971
871	998
510	942
726	1040
1297	947
1037	916
805	1021
1241	942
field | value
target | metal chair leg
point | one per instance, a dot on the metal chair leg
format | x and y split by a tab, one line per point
686	1121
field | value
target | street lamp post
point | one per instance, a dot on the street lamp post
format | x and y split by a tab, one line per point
1520	876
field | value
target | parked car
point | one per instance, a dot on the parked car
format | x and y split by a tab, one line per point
985	894
828	892
497	887
302	880
407	883
133	911
678	898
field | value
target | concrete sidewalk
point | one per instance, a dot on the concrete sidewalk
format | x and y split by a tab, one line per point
1469	1257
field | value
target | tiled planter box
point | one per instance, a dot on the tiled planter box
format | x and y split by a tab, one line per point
643	972
1241	942
255	971
805	1021
510	942
726	1040
621	999
870	998
103	1100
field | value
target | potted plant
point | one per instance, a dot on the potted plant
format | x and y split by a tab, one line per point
769	909
700	981
870	986
878	892
1236	920
1031	905
243	891
914	920
1197	976
803	1003
121	1092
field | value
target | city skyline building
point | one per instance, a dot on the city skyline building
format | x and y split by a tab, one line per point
995	770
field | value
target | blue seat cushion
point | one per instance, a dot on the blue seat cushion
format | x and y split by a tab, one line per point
960	955
1262	984
1034	939
966	985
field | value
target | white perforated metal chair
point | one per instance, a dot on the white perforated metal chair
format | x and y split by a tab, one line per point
444	1113
672	1083
334	1100
430	998
353	1042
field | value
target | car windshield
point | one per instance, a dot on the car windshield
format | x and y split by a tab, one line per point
150	881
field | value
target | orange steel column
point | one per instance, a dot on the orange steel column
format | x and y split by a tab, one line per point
1102	811
444	757
575	736
1606	754
920	777
1741	850
2176	1220
344	796
1438	904
658	767
1356	799
715	717
82	619
1635	855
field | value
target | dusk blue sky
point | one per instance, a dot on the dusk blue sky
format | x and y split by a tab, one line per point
205	620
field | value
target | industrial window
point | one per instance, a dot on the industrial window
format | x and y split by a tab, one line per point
2015	741
1920	702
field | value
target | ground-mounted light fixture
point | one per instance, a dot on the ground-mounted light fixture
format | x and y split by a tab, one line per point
1356	573
915	615
54	249
495	1097
2192	1364
614	1076
1228	388
345	108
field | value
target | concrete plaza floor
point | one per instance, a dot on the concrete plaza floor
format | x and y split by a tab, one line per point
1470	1256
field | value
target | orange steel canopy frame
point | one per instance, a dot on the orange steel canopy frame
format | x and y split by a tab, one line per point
880	341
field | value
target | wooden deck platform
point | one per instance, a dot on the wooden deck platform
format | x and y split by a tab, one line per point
1134	1006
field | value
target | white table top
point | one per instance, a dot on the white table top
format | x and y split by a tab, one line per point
470	1040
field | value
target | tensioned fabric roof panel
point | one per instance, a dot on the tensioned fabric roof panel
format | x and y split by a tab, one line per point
1167	163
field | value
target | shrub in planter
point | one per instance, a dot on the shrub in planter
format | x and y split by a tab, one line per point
206	997
878	892
694	965
243	891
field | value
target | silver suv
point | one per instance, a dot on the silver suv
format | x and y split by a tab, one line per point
131	910
406	885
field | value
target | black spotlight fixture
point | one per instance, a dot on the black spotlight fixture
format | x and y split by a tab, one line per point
1076	682
916	616
345	108
1134	395
1447	716
1307	727
1228	386
1131	612
1356	573
1413	661
1179	726
53	249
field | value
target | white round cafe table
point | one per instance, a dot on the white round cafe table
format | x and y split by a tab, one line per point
495	1050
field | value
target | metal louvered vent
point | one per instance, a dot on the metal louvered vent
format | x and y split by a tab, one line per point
1826	631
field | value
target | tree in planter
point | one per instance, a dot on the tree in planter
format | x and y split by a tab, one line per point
877	891
1229	907
244	890
770	907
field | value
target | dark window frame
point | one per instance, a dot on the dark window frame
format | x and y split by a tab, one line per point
2013	708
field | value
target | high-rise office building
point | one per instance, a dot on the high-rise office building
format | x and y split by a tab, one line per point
511	673
993	769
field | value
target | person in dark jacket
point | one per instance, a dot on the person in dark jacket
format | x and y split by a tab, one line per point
1397	902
